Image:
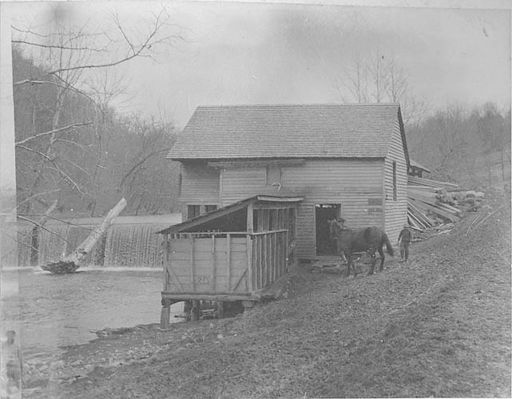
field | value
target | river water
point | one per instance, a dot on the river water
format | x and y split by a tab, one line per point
52	311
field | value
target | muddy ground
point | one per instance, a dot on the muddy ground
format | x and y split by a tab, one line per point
438	325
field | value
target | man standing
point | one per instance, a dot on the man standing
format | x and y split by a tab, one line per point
404	239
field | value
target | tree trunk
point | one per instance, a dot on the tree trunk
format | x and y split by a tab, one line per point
71	262
34	250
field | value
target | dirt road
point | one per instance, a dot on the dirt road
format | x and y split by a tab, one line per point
438	325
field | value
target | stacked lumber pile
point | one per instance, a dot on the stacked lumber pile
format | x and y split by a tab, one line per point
431	203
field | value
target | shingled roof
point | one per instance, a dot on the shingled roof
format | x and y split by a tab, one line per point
288	131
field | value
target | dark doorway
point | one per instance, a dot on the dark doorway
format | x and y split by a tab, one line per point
323	213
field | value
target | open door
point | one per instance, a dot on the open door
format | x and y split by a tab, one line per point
323	213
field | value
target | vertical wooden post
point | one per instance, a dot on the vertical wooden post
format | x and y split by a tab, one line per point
262	259
265	259
228	254
286	253
195	311
260	262
282	254
275	260
214	264
249	278
271	258
192	262
270	265
166	245
165	313
276	253
250	217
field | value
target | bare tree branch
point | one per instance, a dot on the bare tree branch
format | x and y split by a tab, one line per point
67	178
59	47
36	195
34	151
134	167
66	86
118	24
54	131
31	32
76	166
42	227
79	145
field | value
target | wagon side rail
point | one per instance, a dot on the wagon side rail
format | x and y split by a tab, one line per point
206	264
221	266
269	255
210	264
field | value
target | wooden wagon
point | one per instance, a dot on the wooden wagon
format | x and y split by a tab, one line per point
236	253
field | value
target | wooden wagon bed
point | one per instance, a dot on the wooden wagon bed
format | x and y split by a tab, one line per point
230	265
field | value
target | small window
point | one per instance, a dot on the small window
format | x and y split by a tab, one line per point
193	211
210	208
394	181
273	175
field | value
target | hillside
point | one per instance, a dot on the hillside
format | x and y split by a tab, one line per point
436	326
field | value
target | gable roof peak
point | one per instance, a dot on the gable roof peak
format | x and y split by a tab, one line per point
288	131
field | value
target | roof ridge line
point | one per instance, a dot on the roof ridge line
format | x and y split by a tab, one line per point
299	105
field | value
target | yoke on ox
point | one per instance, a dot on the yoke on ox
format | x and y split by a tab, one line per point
369	239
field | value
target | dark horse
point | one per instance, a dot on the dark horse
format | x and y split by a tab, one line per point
369	239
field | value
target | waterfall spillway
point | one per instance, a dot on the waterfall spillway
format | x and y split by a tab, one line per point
133	245
129	242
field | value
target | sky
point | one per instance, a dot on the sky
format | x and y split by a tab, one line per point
281	53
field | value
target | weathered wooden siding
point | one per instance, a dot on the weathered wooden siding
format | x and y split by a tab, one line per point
354	184
350	183
239	184
223	263
268	258
200	184
395	210
207	265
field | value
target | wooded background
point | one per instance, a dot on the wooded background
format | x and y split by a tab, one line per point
72	145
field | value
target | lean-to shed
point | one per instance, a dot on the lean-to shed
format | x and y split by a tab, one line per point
343	160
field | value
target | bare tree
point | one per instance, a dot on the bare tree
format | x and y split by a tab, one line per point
395	84
75	67
355	80
378	78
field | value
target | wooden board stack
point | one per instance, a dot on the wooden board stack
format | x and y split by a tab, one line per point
426	202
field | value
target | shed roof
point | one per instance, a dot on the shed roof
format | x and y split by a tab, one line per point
417	165
288	131
265	197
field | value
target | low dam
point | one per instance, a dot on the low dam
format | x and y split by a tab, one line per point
131	241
